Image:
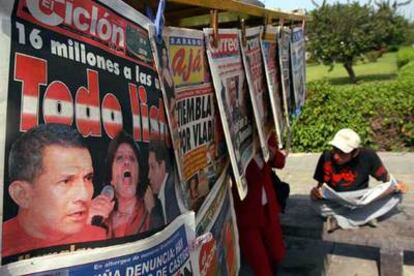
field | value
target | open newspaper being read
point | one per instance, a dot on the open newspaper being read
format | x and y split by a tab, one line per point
356	199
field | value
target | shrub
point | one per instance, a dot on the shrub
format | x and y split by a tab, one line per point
407	72
393	48
372	56
404	56
382	112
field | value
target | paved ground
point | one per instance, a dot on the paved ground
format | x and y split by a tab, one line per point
312	252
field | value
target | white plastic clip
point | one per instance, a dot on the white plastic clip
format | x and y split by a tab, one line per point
200	240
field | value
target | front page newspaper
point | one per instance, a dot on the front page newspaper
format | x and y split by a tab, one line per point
86	66
283	41
220	255
233	100
193	114
271	65
259	95
298	67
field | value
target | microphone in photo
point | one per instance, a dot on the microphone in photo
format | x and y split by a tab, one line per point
109	192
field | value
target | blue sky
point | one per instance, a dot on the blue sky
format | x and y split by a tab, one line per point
407	11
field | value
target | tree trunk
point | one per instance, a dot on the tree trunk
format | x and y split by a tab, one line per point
350	71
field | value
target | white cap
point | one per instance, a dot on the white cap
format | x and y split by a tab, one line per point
346	140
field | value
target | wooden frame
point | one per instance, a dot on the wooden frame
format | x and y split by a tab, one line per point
196	13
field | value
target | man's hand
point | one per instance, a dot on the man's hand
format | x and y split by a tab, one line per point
149	200
401	187
100	206
316	193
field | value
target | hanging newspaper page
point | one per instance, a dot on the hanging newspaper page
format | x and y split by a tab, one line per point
233	100
166	253
256	79
84	127
298	67
284	62
220	254
269	50
192	112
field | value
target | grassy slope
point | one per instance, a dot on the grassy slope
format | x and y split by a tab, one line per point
384	69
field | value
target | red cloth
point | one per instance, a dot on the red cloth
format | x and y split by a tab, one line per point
262	247
16	240
261	239
279	158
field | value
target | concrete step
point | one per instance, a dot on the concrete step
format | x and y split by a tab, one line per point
312	252
345	266
395	230
313	257
316	257
304	257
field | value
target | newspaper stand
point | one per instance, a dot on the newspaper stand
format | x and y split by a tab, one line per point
196	13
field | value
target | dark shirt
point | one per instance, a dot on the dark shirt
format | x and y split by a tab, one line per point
157	217
353	175
171	204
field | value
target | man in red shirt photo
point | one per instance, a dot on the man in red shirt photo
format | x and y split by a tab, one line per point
50	174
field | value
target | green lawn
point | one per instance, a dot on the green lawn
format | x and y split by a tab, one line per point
384	69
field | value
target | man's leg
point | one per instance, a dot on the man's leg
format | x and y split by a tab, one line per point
361	216
327	208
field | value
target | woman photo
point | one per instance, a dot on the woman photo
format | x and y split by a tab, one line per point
126	214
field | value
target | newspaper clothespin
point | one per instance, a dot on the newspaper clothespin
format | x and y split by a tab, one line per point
159	21
214	26
292	24
266	22
200	240
281	24
243	32
149	12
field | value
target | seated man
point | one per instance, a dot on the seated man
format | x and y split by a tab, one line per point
346	168
50	174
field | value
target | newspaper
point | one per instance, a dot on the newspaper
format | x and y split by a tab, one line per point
269	50
283	39
298	67
356	199
233	100
165	253
220	255
259	95
87	65
193	114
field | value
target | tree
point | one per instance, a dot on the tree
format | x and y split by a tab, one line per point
391	28
341	33
409	38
